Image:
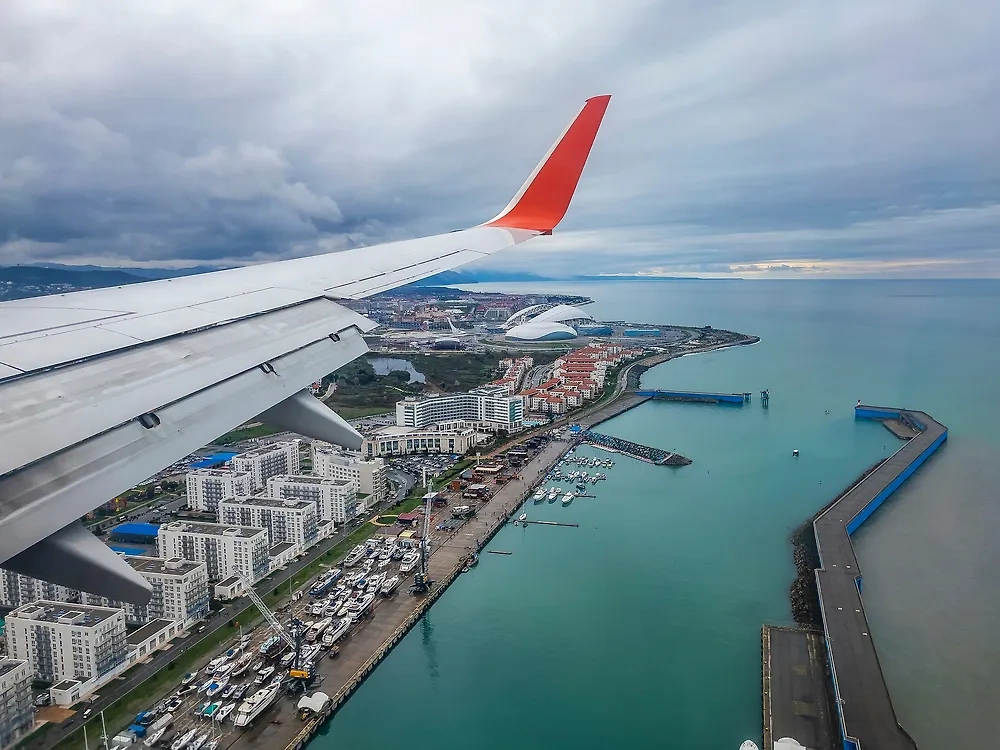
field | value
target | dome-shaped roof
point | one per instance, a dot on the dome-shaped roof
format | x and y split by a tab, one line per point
525	312
562	313
541	330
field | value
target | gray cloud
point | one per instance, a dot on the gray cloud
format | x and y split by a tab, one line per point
756	138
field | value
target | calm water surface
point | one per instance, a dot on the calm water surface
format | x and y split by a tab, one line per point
641	628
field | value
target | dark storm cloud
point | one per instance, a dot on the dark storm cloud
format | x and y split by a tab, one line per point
771	137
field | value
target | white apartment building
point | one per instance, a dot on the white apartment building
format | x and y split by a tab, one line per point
456	437
336	499
370	474
17	709
222	548
17	589
492	407
268	461
68	641
180	591
292	520
206	487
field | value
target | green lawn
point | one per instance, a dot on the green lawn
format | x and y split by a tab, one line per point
235	436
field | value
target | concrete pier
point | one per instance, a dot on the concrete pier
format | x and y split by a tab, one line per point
697	396
797	702
866	718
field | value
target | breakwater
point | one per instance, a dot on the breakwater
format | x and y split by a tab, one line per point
698	397
865	714
636	450
803	594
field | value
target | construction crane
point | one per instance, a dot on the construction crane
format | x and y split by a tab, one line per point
299	672
421	583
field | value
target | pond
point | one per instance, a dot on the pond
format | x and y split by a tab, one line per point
385	365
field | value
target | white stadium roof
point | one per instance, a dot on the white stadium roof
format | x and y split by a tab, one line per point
541	330
562	313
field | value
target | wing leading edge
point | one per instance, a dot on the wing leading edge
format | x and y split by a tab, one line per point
101	389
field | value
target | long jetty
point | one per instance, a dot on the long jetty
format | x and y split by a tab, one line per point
636	450
697	396
864	714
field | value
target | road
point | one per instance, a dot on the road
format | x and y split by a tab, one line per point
139	674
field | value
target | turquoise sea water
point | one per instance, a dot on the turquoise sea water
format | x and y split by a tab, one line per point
642	627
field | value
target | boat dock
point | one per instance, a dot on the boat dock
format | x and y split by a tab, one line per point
635	450
697	396
551	523
865	717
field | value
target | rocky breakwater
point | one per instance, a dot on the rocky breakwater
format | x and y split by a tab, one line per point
636	450
803	594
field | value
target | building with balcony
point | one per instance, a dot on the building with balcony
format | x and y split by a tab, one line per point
222	548
73	642
336	499
291	520
268	461
206	487
180	591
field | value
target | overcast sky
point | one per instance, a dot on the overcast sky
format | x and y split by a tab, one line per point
756	138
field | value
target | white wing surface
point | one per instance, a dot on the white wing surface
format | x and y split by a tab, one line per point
101	389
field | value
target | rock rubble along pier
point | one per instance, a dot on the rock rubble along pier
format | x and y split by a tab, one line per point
636	450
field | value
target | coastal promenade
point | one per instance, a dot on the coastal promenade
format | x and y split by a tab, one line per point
866	717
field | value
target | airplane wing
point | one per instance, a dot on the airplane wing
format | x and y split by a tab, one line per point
101	389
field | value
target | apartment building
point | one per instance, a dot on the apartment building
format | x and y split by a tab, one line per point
68	641
206	487
17	710
370	474
492	408
268	461
336	499
17	589
448	437
222	548
292	520
180	591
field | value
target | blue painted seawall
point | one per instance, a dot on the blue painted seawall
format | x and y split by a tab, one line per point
869	412
725	398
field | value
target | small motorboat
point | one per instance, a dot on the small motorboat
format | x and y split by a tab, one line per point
749	745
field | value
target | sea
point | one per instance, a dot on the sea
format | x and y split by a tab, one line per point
641	628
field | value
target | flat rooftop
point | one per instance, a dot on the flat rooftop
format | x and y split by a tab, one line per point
174	566
263	450
80	615
213	529
218	473
231	581
280	548
148	630
292	503
8	665
307	479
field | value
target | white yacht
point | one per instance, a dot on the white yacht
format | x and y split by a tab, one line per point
198	741
256	704
389	585
263	674
355	555
182	742
317	630
217	686
567	498
409	561
224	712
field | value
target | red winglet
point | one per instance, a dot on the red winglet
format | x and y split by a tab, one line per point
544	198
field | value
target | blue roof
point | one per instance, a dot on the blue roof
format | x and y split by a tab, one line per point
128	550
137	529
214	460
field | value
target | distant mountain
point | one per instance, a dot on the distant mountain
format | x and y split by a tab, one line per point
145	273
